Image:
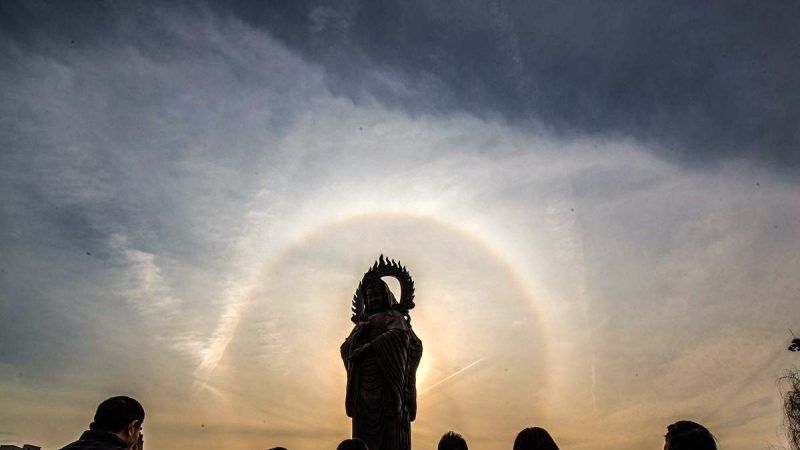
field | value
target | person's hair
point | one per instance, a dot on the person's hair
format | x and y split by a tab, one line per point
278	448
115	413
534	438
352	444
688	435
452	441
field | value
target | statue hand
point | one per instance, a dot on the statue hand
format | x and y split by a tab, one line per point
360	352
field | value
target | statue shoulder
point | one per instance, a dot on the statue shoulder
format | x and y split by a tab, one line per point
395	320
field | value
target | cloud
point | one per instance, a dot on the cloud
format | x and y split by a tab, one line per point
122	189
145	287
193	192
696	83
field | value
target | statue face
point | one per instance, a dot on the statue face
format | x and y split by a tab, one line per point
376	298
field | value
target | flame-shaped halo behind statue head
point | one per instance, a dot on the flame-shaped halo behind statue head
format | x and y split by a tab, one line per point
385	267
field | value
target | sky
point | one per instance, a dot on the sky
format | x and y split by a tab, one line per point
599	204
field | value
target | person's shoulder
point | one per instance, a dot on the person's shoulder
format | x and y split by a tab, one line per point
81	444
93	440
84	444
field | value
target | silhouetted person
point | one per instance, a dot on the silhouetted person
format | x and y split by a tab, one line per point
534	438
117	425
688	435
352	444
452	441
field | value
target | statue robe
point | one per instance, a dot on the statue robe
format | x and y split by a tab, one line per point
381	384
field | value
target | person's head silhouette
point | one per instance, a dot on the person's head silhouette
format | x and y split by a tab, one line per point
534	438
117	424
688	435
352	444
452	441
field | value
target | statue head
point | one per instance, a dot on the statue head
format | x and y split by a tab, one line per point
380	297
376	293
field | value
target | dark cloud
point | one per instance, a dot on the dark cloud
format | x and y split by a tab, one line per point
699	82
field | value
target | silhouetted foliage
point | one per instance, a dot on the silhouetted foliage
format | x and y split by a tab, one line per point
791	408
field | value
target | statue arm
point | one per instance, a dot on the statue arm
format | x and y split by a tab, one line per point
345	351
361	351
348	345
391	353
414	357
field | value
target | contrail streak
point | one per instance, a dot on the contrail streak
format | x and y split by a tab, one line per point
449	377
200	384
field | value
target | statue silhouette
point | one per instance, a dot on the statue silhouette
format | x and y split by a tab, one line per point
381	356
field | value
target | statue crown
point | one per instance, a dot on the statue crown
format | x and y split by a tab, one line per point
381	268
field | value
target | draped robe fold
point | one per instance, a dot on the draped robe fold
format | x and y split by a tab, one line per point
381	385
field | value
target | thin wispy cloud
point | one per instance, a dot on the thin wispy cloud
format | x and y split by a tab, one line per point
200	187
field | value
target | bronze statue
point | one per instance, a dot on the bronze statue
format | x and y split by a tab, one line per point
381	356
